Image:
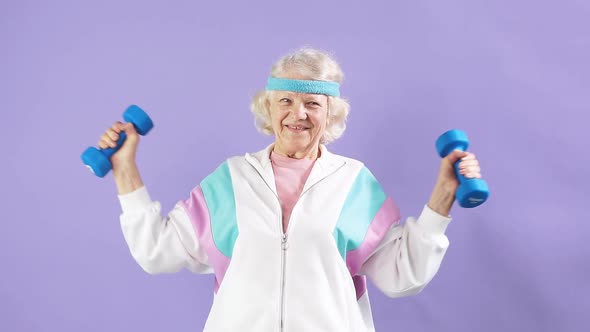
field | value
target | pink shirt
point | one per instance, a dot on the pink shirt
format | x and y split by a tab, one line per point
290	176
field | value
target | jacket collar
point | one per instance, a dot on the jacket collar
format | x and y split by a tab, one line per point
324	166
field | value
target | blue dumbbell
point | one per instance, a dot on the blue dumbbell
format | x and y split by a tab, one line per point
98	160
471	192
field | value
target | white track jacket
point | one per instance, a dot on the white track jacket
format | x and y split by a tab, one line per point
343	229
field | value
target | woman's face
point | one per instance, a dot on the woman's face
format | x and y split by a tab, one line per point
298	121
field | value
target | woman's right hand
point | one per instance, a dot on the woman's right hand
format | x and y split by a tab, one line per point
126	154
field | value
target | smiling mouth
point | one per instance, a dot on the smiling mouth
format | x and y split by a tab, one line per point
297	128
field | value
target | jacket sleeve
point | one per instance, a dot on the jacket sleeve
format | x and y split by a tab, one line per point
160	244
409	255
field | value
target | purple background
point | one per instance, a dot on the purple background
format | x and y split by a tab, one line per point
514	74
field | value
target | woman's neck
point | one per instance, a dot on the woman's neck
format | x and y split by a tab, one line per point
312	153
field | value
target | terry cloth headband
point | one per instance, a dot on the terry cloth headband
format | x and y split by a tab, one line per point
304	86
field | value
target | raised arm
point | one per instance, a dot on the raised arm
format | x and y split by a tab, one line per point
159	244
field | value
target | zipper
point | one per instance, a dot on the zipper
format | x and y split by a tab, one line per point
284	246
284	243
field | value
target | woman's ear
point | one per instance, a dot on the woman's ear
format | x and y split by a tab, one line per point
267	104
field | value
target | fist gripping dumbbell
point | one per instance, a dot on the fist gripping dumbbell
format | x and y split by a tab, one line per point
471	192
98	160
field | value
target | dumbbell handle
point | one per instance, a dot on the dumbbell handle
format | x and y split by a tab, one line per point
460	176
109	152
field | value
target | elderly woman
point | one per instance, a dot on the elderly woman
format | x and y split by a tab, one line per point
290	232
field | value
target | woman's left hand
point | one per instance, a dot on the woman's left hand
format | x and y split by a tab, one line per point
443	194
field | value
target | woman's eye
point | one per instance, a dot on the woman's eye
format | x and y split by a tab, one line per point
284	100
314	104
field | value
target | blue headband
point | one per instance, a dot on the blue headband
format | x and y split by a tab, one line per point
304	86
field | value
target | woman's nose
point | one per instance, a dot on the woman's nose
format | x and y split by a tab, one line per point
299	111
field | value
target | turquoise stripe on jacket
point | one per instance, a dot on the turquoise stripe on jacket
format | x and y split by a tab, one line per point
364	199
219	195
